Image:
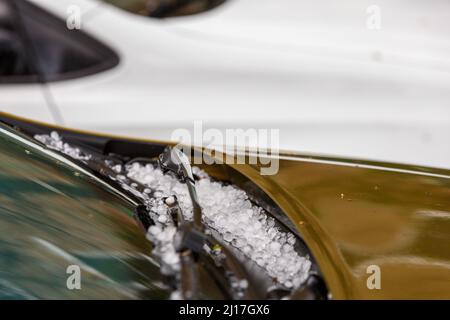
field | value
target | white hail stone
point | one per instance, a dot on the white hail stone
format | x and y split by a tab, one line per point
228	210
54	141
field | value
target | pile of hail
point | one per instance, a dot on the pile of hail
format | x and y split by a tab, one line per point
226	209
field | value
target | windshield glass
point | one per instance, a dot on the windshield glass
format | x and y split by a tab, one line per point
166	8
53	216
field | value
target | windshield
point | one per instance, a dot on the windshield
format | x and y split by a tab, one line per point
53	216
166	8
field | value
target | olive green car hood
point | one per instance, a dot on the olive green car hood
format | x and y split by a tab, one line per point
355	214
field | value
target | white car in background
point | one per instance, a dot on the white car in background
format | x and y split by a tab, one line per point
333	81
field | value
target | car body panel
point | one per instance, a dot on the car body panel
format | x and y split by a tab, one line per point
353	214
26	100
342	90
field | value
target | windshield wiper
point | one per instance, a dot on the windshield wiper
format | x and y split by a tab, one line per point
193	242
199	248
172	159
195	245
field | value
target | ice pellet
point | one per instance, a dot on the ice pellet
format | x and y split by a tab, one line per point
228	210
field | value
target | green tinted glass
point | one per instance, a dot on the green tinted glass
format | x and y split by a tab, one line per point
53	216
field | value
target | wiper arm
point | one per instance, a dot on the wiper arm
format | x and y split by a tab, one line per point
193	241
172	159
197	248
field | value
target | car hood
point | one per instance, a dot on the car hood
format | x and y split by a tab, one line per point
355	214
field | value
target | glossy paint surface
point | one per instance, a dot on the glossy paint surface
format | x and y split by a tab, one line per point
311	69
354	215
